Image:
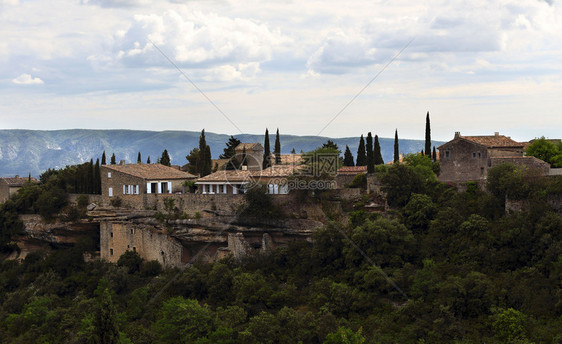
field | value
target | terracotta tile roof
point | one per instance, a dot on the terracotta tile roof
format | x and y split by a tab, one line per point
289	159
17	180
493	141
352	170
279	171
151	171
227	176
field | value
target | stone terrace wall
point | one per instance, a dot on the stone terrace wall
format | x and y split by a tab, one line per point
72	198
197	203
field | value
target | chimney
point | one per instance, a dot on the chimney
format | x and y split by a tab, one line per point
244	168
122	162
497	133
457	134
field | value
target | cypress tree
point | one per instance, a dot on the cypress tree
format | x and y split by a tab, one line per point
148	160
293	151
434	154
97	177
396	153
204	163
139	161
266	151
348	157
106	329
370	158
361	158
244	162
277	148
103	158
377	152
113	160
90	175
165	159
427	149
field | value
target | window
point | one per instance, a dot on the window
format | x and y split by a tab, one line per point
134	249
111	234
474	155
447	154
110	192
479	155
108	174
482	171
111	252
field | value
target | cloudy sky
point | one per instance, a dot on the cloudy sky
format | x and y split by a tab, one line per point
477	66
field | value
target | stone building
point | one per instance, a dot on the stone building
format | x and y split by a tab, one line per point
9	186
253	155
132	182
468	158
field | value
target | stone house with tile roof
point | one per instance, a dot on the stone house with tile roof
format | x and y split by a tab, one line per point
468	158
9	186
131	182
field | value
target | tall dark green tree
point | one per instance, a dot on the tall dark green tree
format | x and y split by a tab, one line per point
139	160
434	154
277	148
97	177
148	160
192	159
377	152
427	149
204	161
90	185
370	157
165	158
348	157
103	158
105	321
230	149
113	160
396	148
361	156
266	151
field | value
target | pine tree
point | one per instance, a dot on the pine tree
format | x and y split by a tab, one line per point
348	157
139	160
396	153
148	160
113	160
293	151
377	152
370	158
427	149
103	158
165	158
277	148
230	149
266	151
434	154
361	157
97	177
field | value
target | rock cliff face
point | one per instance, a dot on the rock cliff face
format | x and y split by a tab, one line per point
40	235
179	242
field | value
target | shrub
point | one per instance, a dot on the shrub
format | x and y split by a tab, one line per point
131	260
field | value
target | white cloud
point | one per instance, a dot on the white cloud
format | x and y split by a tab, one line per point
26	79
117	3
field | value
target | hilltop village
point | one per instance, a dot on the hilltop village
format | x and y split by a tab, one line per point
359	228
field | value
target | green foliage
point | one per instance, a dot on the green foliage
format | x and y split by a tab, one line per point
259	204
165	158
266	151
361	153
116	202
370	156
182	320
509	326
230	149
546	151
348	157
131	260
359	181
277	148
345	336
377	152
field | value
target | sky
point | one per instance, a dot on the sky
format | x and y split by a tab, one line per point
327	67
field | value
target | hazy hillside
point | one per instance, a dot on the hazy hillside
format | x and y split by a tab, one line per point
34	151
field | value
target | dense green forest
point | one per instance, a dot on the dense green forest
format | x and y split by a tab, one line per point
443	266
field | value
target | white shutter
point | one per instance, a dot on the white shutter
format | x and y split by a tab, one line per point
148	188
159	188
110	192
124	190
169	187
137	189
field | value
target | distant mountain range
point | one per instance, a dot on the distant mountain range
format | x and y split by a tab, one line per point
33	151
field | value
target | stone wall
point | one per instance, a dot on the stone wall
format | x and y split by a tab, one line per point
73	198
541	167
197	203
466	161
116	182
4	191
150	243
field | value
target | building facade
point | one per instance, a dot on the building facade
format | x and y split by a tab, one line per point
9	186
133	181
